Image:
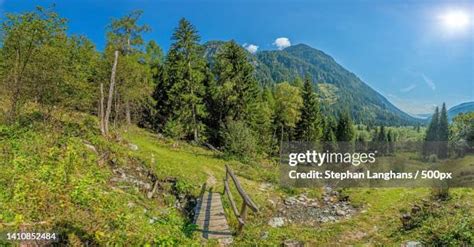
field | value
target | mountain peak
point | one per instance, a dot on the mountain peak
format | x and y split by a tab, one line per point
348	90
299	46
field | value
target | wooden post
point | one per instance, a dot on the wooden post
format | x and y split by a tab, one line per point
247	202
243	213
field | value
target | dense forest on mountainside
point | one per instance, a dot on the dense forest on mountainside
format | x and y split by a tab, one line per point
461	108
365	104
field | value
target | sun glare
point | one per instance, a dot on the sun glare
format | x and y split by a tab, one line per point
455	20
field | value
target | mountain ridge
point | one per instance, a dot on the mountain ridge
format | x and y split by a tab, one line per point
347	91
460	108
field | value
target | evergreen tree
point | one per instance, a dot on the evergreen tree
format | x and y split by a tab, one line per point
185	74
234	92
382	140
153	59
390	142
345	132
345	129
329	138
443	133
431	135
307	128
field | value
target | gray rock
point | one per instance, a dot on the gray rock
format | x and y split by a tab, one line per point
290	201
276	222
90	147
340	212
412	244
292	243
133	147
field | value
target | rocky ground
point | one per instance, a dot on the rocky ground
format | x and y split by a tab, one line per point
332	207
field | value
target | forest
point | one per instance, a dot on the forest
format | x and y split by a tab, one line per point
72	116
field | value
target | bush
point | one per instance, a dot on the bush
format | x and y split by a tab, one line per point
240	141
457	231
174	129
433	158
440	193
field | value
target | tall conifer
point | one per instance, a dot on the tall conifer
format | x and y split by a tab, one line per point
184	80
307	128
443	133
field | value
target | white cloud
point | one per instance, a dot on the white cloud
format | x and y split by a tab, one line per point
282	42
408	89
251	48
429	82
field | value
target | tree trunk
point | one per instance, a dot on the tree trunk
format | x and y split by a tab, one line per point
111	92
16	89
116	107
101	109
281	140
127	113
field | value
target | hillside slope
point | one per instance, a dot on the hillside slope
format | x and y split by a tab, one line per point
365	104
60	175
461	108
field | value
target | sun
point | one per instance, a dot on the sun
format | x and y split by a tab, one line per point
455	20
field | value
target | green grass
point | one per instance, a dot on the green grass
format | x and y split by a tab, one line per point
48	174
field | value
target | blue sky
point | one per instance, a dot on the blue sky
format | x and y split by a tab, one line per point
416	53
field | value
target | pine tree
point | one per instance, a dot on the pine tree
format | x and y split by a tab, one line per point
307	128
185	74
345	132
345	129
443	133
234	93
382	140
390	142
431	135
329	138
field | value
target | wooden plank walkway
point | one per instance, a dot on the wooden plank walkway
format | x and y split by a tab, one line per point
210	218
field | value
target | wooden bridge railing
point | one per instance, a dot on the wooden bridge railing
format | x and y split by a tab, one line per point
247	202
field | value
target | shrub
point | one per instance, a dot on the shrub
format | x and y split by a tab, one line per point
174	129
459	231
432	158
239	140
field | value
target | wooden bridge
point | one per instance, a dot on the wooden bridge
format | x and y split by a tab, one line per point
210	215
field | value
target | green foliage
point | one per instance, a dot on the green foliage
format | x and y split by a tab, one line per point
459	234
437	134
125	33
136	65
462	133
309	126
298	60
329	138
32	66
48	174
239	140
288	103
443	133
234	92
183	82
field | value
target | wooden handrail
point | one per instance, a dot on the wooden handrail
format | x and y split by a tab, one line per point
242	193
247	202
